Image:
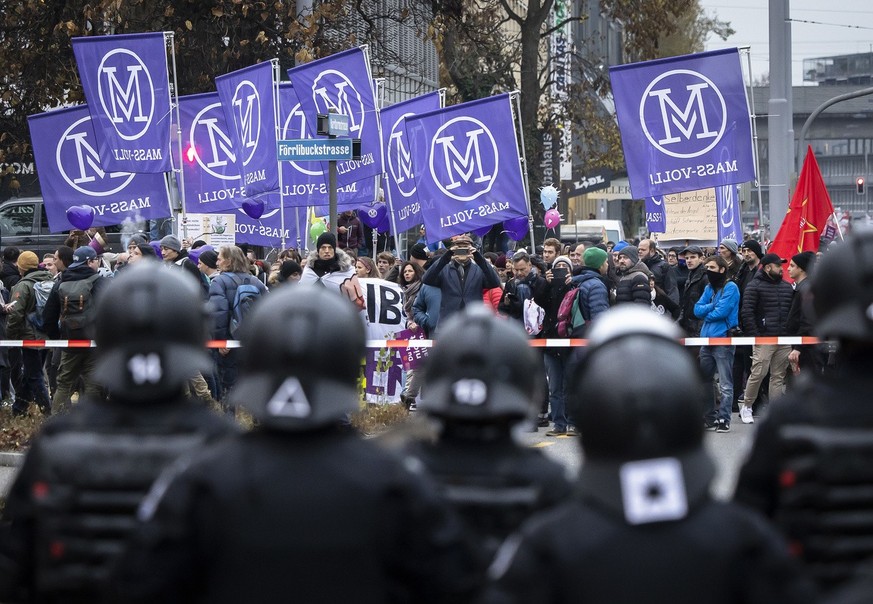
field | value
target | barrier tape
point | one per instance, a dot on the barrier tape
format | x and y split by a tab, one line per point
536	343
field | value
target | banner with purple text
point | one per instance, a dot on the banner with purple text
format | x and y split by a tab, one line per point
212	183
727	206
656	218
248	100
466	164
342	82
305	183
70	174
685	123
127	87
400	179
385	319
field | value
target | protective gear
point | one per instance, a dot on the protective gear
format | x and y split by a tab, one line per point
301	356
716	279
841	294
482	368
654	414
151	333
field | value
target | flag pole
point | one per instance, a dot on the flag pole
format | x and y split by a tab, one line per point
515	97
837	224
277	119
169	38
750	99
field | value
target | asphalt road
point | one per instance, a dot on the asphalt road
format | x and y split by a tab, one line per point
727	449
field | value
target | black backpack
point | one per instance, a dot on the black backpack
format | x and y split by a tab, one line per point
77	305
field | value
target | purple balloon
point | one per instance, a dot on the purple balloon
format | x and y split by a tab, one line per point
81	217
372	216
254	208
156	245
482	231
516	228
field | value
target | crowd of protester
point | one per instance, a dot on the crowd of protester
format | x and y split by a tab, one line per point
197	537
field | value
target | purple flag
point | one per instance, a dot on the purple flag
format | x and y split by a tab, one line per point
70	174
727	206
467	168
249	102
684	123
342	82
126	84
267	230
305	183
400	179
656	215
212	183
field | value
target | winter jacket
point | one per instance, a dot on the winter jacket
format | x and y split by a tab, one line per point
426	308
593	293
550	298
9	274
799	322
512	300
222	292
341	277
17	325
634	286
694	286
351	239
664	277
492	297
719	310
765	306
456	295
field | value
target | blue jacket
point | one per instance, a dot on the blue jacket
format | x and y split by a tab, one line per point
426	308
593	293
719	313
222	292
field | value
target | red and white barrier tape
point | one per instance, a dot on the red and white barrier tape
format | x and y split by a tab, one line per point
536	343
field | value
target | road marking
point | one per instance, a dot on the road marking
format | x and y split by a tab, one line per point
540	445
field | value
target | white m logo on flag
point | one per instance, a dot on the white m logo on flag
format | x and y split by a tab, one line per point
247	115
339	100
127	93
81	168
468	166
686	131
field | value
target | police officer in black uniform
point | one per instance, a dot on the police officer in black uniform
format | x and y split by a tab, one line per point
482	379
74	502
300	509
642	526
811	467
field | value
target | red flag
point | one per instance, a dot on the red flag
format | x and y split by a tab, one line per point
807	214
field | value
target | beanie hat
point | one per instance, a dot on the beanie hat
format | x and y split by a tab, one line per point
631	252
288	268
804	260
137	239
754	247
730	244
418	251
564	259
28	261
501	261
620	246
326	238
209	258
171	242
594	257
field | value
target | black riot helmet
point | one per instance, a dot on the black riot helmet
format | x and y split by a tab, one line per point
841	293
151	333
481	369
639	394
301	355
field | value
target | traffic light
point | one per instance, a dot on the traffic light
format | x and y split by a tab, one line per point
859	185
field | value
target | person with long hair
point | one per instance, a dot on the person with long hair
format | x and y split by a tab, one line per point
365	268
410	280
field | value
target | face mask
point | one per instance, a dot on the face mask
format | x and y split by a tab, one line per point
681	261
716	279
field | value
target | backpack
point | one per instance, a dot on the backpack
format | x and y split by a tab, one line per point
245	297
41	291
570	319
77	305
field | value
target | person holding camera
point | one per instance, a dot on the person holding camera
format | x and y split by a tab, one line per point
526	284
461	274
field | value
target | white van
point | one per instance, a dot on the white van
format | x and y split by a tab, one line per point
593	230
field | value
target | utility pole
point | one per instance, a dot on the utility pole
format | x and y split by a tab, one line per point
780	113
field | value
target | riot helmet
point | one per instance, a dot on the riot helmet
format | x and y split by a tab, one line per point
301	356
150	332
481	369
841	293
639	394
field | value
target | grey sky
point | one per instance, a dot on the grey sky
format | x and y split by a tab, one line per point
749	18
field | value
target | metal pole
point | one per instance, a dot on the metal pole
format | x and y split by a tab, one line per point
276	116
754	117
331	188
169	37
779	119
515	97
